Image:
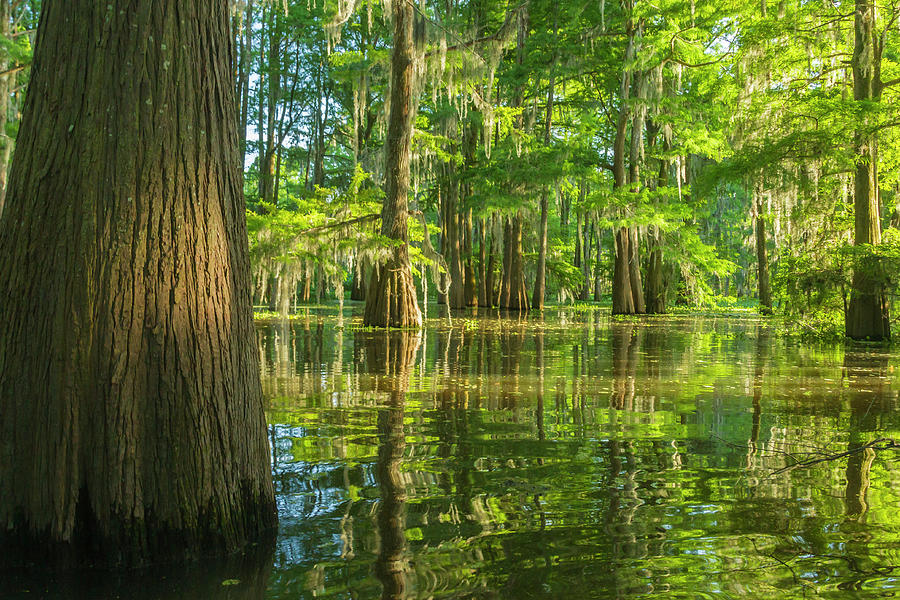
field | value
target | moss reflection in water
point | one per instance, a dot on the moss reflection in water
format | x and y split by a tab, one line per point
576	456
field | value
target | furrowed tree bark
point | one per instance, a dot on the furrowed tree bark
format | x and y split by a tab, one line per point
391	298
131	418
867	315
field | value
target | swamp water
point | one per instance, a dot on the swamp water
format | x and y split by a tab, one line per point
566	457
580	457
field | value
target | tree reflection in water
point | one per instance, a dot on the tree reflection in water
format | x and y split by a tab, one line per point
865	376
390	357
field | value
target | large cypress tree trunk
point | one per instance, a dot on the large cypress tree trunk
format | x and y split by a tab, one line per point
131	419
391	297
867	315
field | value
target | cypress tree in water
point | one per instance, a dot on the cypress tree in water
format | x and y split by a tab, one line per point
391	296
131	419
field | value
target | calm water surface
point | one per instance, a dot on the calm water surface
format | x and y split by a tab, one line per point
566	457
580	457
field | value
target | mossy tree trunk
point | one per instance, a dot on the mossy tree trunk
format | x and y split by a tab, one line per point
391	297
131	417
867	315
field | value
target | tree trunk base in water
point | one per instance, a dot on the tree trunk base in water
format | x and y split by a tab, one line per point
867	316
129	541
391	297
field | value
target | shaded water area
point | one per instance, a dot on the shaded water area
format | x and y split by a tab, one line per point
569	456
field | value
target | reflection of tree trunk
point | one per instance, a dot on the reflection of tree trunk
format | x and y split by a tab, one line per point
539	365
511	342
856	492
390	357
762	351
598	272
389	565
624	348
865	374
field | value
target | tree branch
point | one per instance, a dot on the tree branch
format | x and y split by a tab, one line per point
363	219
15	70
879	444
